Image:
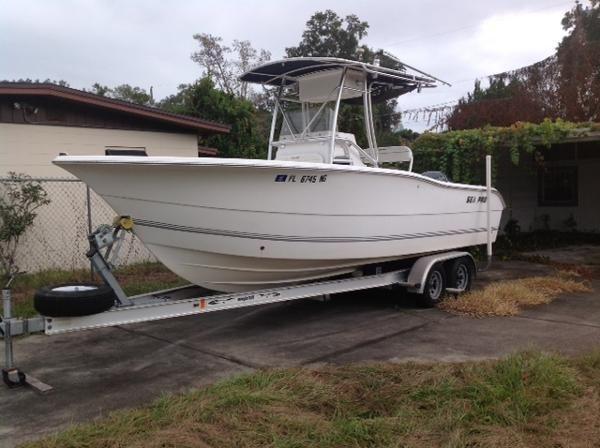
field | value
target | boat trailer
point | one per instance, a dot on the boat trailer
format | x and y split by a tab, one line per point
192	300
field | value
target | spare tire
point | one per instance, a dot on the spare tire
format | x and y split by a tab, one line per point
73	299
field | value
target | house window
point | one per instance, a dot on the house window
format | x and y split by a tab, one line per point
125	151
558	186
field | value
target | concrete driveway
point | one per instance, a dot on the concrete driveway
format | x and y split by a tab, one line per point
95	372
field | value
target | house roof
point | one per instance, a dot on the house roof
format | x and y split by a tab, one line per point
91	99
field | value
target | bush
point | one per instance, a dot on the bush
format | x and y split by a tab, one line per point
20	197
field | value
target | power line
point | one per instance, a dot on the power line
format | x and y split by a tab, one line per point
416	110
433	106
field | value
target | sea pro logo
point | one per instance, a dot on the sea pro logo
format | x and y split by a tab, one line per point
304	179
476	199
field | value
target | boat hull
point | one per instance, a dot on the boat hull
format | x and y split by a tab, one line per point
235	225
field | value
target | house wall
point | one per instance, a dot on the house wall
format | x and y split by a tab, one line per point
28	148
519	187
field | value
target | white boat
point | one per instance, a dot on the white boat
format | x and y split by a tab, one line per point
320	206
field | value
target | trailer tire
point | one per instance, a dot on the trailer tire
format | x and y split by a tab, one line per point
461	273
73	299
435	287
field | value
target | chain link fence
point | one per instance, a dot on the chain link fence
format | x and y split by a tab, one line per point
58	237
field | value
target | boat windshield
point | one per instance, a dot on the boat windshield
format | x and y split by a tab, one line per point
305	118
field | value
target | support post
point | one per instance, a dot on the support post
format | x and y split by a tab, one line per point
89	222
335	116
7	317
104	271
367	116
488	204
99	262
271	133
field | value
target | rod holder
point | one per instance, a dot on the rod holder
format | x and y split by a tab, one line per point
488	204
488	211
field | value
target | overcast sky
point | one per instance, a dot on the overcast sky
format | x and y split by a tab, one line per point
149	42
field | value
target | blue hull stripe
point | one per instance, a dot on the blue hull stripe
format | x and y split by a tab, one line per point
305	239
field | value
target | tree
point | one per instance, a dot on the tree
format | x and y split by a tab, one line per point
132	94
216	60
125	92
99	89
578	60
20	197
58	82
328	35
505	101
565	85
202	99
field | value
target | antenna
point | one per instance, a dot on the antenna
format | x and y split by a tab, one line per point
391	56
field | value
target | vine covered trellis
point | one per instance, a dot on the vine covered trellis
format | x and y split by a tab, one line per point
461	154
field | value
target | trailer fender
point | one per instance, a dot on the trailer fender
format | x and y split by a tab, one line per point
420	270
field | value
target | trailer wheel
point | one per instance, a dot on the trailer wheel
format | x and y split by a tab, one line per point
461	272
73	299
435	286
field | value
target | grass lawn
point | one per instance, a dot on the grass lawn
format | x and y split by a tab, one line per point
528	399
135	279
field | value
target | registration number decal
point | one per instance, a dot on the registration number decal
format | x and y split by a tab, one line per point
305	179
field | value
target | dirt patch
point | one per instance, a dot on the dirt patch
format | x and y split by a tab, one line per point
510	297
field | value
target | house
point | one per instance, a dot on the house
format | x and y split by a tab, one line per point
561	194
40	120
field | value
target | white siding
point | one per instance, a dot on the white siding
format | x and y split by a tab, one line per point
27	148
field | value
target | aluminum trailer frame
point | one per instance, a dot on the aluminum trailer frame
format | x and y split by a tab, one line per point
191	300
